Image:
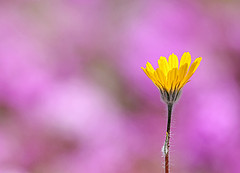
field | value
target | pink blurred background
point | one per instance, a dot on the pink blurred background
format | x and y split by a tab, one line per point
73	98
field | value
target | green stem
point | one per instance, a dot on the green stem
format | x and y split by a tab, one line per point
166	145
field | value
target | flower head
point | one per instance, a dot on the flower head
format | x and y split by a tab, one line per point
170	77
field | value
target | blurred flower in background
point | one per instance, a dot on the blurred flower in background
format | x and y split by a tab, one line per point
73	97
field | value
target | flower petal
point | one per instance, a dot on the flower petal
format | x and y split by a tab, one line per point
173	61
161	76
163	65
149	67
194	67
182	72
191	71
171	79
186	59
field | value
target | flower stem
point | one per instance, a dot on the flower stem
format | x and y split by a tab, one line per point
166	145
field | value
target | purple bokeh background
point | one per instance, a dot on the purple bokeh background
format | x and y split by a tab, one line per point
73	98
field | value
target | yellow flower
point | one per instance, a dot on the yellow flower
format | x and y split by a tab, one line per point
170	77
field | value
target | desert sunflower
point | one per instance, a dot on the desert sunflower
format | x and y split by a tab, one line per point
170	77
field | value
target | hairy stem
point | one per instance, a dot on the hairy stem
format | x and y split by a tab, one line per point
166	145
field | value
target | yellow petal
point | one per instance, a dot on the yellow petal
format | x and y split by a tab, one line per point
194	67
171	79
158	82
182	72
151	76
161	76
174	77
163	65
146	72
191	71
173	61
186	59
149	67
